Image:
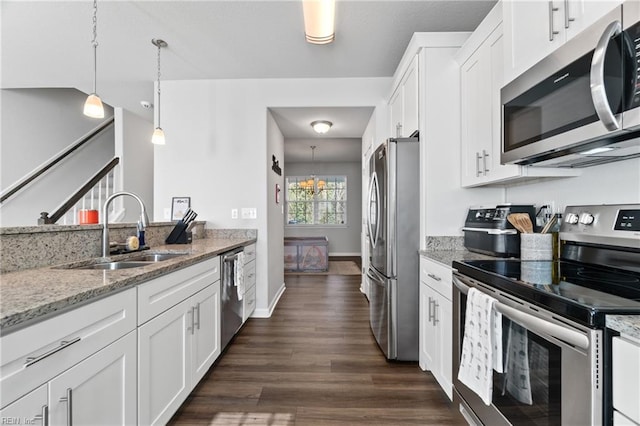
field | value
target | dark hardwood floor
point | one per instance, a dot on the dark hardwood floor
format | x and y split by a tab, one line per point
315	362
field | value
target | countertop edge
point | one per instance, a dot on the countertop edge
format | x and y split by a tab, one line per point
12	320
627	325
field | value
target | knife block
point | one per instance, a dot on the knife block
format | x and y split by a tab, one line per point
179	234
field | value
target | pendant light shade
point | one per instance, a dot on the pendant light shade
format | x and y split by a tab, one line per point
93	105
319	17
158	134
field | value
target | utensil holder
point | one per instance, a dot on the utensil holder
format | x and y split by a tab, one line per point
536	246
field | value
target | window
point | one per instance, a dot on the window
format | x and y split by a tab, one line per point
307	206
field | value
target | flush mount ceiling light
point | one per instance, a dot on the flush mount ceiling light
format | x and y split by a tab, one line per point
321	126
93	105
158	133
319	17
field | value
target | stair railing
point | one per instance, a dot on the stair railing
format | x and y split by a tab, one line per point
43	168
90	195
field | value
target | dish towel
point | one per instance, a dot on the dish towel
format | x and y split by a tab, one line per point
481	345
517	376
238	274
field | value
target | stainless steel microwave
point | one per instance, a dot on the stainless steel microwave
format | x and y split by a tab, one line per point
579	106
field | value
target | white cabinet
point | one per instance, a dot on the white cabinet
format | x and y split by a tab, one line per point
403	105
535	28
626	381
249	296
82	353
33	408
481	78
436	319
178	345
101	390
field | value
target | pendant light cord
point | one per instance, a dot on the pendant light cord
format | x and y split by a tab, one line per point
94	43
159	47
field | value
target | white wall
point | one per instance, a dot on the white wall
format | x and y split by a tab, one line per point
613	183
37	124
343	240
275	215
134	147
217	151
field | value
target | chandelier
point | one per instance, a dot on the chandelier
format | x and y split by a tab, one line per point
312	185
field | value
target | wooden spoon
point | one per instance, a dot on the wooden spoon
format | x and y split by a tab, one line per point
521	222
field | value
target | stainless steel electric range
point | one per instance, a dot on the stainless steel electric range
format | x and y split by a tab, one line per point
561	305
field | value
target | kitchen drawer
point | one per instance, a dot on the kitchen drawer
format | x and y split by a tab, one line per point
437	276
248	303
160	294
249	253
249	274
626	378
58	343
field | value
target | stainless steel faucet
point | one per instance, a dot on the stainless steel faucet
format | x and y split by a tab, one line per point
144	219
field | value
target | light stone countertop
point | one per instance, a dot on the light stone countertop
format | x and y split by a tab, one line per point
34	294
626	325
446	257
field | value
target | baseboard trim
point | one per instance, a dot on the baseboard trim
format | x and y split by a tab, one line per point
345	254
266	313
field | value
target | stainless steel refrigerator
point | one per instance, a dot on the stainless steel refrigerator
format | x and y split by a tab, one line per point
393	221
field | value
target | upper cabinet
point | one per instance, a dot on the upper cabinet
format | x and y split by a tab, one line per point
404	103
481	78
535	28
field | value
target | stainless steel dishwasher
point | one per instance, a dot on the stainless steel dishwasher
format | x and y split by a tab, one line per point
231	307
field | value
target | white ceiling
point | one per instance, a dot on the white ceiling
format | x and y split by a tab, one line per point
48	44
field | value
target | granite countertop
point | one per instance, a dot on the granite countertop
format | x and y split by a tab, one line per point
34	294
626	325
446	257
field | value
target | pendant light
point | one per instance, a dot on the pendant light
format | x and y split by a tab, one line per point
312	185
158	133
93	105
319	21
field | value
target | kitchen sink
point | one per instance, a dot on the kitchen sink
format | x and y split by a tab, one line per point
114	265
155	257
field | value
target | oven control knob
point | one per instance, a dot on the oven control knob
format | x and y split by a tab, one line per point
586	218
572	218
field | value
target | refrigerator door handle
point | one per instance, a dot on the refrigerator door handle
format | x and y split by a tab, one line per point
374	186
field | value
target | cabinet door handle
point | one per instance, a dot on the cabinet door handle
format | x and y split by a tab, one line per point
552	32
63	344
69	400
478	158
485	154
191	326
435	277
44	416
435	312
567	17
430	315
198	315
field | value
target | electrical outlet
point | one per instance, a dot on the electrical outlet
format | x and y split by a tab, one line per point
234	213
167	213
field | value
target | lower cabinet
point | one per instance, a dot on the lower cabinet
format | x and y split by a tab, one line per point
176	349
101	390
626	382
436	319
33	408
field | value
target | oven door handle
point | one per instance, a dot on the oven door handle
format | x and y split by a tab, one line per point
491	231
598	89
535	324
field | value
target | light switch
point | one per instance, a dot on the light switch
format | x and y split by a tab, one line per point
234	213
249	213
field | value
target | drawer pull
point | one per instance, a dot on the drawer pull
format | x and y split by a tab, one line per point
63	344
435	277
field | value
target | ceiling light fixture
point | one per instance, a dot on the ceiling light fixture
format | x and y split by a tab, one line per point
319	17
321	126
93	105
158	133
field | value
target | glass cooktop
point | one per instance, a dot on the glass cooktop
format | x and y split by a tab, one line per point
582	292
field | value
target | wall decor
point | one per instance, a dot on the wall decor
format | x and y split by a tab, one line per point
179	206
275	166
